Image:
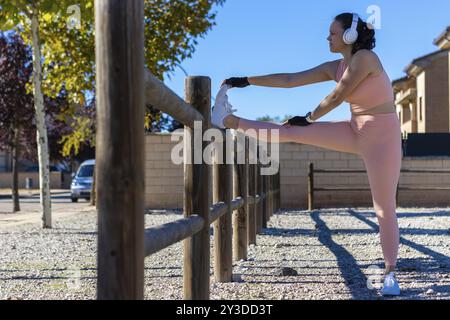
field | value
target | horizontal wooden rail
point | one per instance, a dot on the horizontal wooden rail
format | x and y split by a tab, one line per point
253	200
237	203
340	189
424	188
161	97
338	171
368	189
217	210
312	188
424	171
160	237
364	171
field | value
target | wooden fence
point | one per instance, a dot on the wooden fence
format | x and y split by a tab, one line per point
312	188
123	88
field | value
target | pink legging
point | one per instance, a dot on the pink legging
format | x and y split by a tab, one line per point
377	139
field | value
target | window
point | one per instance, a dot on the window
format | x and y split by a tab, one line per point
420	108
86	171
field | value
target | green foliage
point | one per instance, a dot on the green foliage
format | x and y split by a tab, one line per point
172	28
171	31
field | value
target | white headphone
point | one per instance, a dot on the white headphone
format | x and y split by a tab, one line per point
351	35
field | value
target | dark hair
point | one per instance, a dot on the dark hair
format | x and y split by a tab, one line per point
366	35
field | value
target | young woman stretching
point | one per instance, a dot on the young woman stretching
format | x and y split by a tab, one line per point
373	132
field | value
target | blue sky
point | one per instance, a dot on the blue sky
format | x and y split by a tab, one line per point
259	37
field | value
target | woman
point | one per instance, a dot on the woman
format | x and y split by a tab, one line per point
374	129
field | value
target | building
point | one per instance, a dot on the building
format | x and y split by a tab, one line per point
5	161
422	97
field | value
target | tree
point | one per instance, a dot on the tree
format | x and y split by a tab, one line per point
16	105
67	29
66	33
171	33
17	125
26	14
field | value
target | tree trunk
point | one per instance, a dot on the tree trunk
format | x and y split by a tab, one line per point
42	141
15	170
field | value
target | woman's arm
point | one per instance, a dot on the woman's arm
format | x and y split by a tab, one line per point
321	73
278	80
324	72
359	68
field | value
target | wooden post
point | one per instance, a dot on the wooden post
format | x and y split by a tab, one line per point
240	215
269	190
279	188
311	187
271	199
272	185
251	226
268	209
265	200
274	188
259	189
223	263
119	30
268	212
197	182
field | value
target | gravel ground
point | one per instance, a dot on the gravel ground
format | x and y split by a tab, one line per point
335	253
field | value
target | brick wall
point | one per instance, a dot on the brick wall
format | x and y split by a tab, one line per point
56	181
164	180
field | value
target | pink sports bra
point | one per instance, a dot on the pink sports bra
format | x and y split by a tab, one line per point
371	92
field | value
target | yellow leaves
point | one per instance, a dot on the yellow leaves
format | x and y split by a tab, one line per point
81	99
77	98
7	24
81	135
47	17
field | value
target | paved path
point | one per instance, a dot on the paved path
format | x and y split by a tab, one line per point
31	209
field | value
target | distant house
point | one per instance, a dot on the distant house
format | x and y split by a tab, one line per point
422	97
5	161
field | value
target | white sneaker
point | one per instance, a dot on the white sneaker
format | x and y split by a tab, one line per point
390	286
221	108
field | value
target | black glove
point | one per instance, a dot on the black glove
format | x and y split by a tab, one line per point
238	82
299	121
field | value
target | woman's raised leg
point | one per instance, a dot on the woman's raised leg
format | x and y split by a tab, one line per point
337	136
